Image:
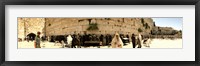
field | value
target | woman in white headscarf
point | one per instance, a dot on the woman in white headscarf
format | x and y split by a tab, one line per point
116	41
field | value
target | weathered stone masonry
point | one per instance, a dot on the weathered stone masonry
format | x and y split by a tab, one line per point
63	26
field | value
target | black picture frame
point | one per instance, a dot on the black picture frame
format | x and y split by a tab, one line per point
99	2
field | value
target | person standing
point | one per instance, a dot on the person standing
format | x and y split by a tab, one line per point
42	38
133	40
84	38
78	38
107	39
110	39
75	41
69	40
81	39
139	41
116	41
27	38
37	40
101	39
127	36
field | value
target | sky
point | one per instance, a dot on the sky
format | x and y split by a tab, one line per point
174	22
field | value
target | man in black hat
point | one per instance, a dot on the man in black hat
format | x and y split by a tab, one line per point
133	40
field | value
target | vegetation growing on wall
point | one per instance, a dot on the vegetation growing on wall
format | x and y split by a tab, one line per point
140	30
93	26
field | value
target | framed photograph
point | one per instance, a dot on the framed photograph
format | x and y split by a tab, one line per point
111	32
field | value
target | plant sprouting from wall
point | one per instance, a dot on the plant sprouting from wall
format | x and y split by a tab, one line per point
93	26
140	30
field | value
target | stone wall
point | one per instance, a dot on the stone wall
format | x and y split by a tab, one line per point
63	26
163	31
30	25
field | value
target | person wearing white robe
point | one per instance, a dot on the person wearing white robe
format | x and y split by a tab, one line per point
116	41
140	41
69	40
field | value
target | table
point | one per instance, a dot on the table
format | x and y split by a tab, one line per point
92	43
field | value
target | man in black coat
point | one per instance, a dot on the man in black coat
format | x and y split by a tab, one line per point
75	41
127	36
84	38
110	38
81	40
133	40
101	39
107	39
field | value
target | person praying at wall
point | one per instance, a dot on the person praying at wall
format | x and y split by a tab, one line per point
116	41
107	39
37	40
75	41
110	38
101	39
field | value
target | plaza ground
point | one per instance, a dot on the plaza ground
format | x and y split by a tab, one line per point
155	43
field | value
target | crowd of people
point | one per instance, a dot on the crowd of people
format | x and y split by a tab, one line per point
77	40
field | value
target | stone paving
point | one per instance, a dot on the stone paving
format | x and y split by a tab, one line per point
155	43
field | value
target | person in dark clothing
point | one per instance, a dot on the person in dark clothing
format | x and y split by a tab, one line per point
107	39
81	40
84	38
142	36
27	38
75	42
133	40
95	38
89	37
122	37
104	40
127	36
101	39
73	35
110	38
43	38
52	39
65	39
